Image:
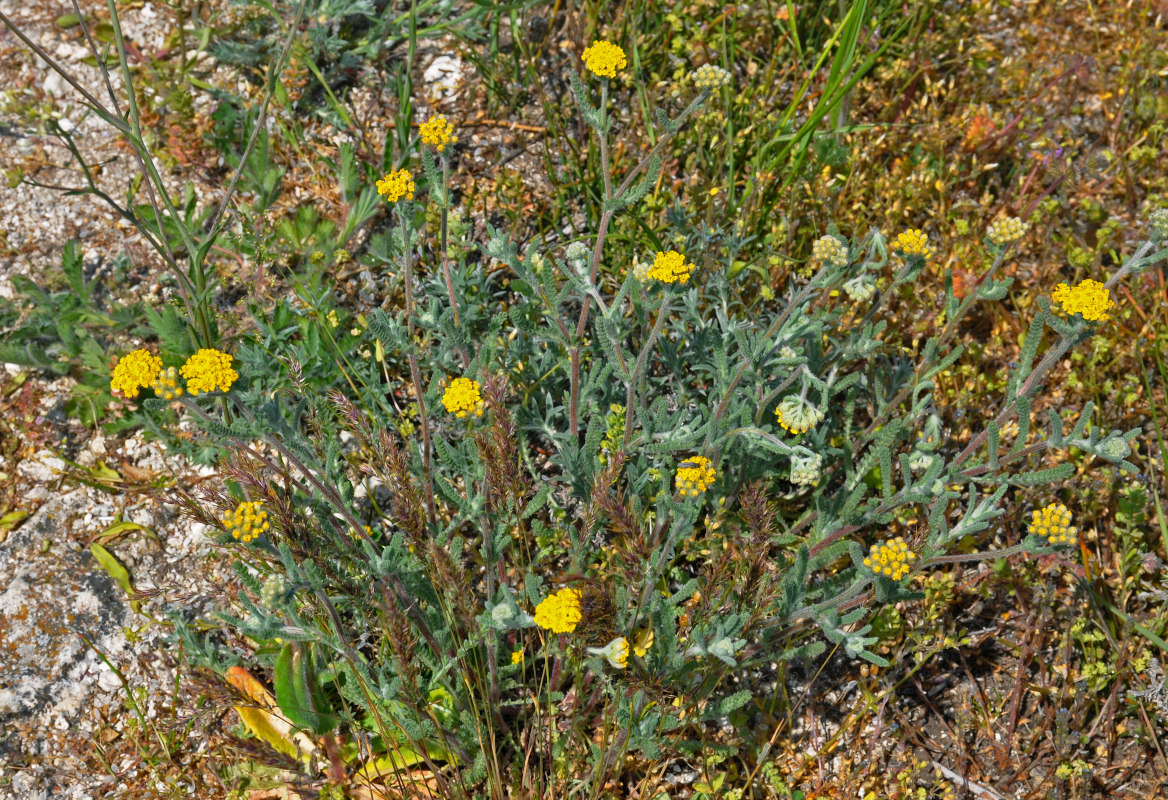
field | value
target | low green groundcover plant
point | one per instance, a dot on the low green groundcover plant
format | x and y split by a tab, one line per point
615	505
615	497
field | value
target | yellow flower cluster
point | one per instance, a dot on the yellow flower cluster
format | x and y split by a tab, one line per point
789	426
604	59
708	76
890	558
166	384
670	267
247	522
208	369
559	612
517	656
1159	220
797	416
1090	298
616	652
695	476
914	243
135	371
620	653
1006	230
437	132
830	250
396	185
462	398
1054	524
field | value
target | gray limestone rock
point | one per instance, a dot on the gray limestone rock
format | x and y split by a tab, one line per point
49	600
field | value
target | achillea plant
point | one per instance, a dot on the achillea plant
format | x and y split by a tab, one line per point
208	370
710	76
462	398
560	612
135	371
438	133
670	267
247	522
397	185
166	385
796	415
1089	299
1053	523
913	243
421	559
399	567
892	559
1007	231
603	59
830	250
695	476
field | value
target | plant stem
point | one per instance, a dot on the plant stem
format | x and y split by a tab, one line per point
642	359
415	374
605	218
443	253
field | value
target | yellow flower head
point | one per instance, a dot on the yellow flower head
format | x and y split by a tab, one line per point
134	371
670	267
396	185
890	558
559	612
1054	524
1090	298
694	476
437	132
208	369
1006	230
620	655
913	242
797	416
166	384
517	656
830	250
616	652
604	59
462	398
709	76
247	522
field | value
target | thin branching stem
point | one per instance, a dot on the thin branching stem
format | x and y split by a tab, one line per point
415	373
602	229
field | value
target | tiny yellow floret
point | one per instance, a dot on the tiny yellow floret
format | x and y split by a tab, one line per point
437	132
559	612
396	185
1053	523
604	59
134	371
913	242
207	370
694	476
462	398
247	522
1090	298
890	559
669	267
166	384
